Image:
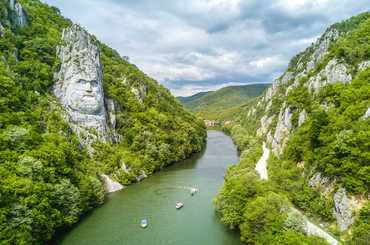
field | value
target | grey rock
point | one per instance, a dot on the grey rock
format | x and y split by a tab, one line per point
302	118
20	16
112	186
318	180
79	85
321	48
343	209
139	92
271	91
1	30
283	128
364	65
113	110
367	113
334	72
141	177
265	122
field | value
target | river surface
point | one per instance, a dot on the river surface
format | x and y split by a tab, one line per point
118	220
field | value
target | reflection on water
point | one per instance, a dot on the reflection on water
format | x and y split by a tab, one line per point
117	221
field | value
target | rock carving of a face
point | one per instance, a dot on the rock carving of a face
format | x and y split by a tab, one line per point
80	85
85	96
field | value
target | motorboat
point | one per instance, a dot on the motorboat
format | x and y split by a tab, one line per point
179	205
144	223
193	191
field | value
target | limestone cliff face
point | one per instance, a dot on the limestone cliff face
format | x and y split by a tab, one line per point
18	16
276	125
79	85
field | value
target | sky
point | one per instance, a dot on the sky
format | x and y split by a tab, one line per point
191	46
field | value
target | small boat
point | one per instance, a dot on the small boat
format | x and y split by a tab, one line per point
144	223
179	205
193	191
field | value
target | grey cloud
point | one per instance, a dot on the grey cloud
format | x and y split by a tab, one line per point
205	43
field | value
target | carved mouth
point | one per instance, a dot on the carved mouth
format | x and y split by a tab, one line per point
89	95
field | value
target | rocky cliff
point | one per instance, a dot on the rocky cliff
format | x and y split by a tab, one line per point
311	71
315	114
79	85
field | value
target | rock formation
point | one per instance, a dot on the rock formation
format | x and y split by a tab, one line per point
79	85
112	186
344	209
18	17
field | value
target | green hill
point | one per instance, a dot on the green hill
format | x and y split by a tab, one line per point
184	100
209	105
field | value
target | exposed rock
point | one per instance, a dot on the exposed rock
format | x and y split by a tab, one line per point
364	65
302	118
275	86
322	182
112	186
269	137
1	30
139	93
283	128
113	110
141	177
321	49
268	106
312	229
344	209
20	17
124	167
265	122
367	113
79	84
334	72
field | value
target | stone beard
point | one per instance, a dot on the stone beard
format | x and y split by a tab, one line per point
79	84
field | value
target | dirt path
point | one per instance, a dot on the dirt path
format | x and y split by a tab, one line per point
261	165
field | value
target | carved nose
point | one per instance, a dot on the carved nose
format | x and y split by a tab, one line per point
88	87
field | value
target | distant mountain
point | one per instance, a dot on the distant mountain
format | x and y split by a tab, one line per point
187	99
209	104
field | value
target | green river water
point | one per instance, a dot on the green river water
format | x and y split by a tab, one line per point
118	220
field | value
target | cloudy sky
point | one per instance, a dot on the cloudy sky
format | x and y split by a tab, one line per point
200	45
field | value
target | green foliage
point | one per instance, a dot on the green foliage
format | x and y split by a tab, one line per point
361	227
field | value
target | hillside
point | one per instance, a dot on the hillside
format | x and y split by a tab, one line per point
315	120
209	105
183	100
76	121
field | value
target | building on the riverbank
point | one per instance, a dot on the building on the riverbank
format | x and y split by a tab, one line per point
209	123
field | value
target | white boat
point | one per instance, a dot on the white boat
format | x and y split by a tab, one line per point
144	223
193	191
179	205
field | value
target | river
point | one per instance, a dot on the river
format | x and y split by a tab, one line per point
118	220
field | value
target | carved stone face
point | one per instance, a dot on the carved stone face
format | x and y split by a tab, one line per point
80	85
85	96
